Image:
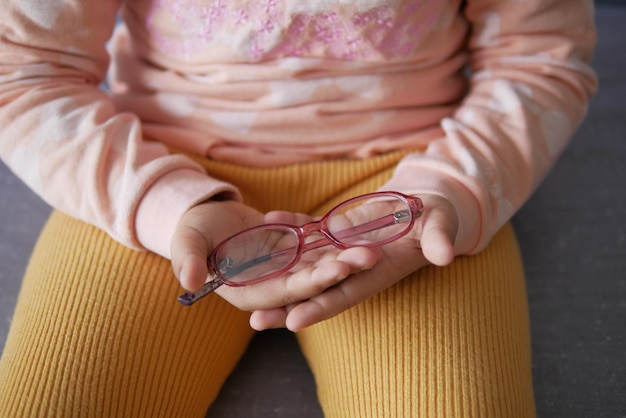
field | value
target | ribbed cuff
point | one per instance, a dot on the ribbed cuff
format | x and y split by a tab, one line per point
165	202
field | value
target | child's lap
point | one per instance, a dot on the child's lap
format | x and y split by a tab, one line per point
98	308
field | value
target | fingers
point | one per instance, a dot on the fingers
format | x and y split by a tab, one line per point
350	292
306	282
357	287
269	318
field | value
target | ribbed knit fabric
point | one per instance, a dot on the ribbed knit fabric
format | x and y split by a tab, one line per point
447	342
98	332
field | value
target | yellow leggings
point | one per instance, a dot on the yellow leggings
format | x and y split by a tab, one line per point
98	331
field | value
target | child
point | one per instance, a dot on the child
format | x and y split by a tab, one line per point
228	115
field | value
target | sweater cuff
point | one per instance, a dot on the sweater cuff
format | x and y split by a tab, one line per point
165	202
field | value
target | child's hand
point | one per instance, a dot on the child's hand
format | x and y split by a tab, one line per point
354	275
327	281
200	229
206	225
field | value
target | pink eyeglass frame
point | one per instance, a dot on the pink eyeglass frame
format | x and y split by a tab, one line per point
414	204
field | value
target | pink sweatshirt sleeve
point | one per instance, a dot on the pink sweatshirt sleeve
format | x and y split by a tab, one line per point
64	137
530	86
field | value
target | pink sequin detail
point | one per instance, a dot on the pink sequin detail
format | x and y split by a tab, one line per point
270	33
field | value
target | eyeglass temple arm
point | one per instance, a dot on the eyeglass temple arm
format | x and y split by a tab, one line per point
385	221
189	298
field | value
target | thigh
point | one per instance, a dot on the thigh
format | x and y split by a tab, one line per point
444	342
98	332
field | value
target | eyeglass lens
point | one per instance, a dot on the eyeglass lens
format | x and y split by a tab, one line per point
258	253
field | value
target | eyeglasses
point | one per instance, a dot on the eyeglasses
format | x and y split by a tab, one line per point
267	251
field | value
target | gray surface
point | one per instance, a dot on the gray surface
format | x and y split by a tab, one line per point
22	214
573	238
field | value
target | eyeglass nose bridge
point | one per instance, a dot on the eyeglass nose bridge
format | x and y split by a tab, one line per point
320	227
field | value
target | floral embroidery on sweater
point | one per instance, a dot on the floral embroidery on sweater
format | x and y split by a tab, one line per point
269	29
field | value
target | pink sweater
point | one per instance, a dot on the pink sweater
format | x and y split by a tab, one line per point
487	96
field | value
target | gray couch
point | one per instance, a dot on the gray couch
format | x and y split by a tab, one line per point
573	238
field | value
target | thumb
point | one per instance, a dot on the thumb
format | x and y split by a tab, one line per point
439	229
189	250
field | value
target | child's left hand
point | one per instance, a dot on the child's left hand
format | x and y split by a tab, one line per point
430	242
